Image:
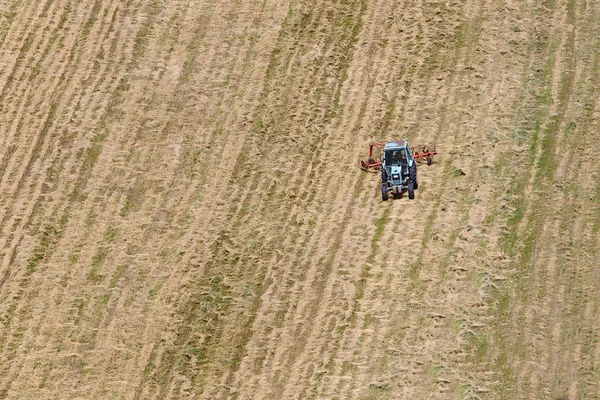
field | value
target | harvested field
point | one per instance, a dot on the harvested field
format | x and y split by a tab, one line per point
182	215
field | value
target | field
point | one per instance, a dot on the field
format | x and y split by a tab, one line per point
182	215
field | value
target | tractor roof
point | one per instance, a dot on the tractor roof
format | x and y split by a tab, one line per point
395	144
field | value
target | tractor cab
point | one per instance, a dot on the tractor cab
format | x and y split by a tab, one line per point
396	157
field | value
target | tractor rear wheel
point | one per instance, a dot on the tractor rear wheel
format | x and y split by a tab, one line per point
413	176
384	192
411	190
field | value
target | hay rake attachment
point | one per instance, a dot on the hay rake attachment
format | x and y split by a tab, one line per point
372	163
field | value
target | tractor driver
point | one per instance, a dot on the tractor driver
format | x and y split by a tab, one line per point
399	157
402	156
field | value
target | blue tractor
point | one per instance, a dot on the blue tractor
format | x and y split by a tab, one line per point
398	167
398	171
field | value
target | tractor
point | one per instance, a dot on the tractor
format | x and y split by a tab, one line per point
398	167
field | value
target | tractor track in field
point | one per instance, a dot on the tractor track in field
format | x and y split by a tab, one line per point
182	216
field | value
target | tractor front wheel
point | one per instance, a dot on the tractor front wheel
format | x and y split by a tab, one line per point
384	192
411	190
384	176
397	195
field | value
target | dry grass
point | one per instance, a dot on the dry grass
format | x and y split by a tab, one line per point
181	215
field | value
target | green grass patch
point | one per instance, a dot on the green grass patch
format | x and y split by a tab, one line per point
119	273
33	262
155	290
97	260
380	227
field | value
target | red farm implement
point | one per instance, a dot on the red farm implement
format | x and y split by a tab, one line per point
374	162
